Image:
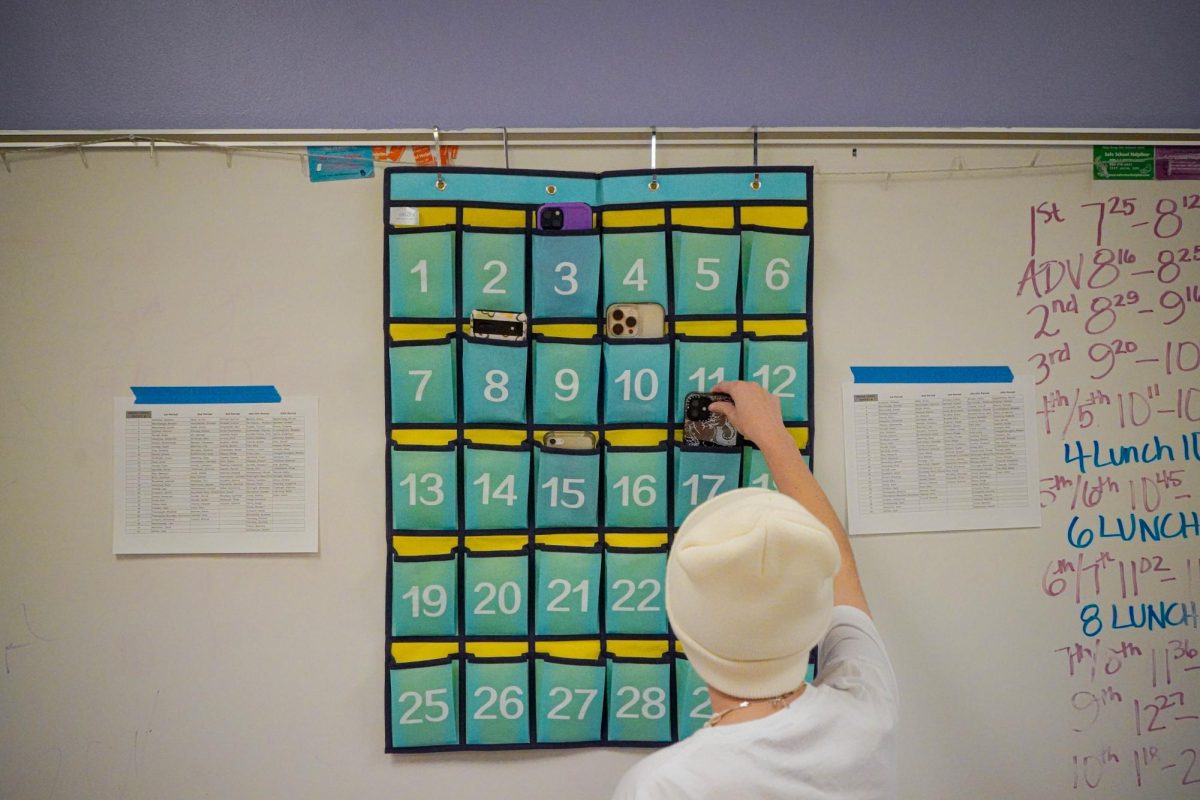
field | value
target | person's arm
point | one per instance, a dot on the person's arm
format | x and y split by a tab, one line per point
756	415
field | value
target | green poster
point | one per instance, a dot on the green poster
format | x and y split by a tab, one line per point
1122	163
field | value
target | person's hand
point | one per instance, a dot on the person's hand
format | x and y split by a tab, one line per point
754	412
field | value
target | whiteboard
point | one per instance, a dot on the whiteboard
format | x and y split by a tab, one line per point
252	676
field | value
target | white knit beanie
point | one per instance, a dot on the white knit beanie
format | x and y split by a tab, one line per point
750	590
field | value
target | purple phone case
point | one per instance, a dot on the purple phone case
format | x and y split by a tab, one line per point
576	216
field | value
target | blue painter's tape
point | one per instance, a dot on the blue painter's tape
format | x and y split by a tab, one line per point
932	374
184	395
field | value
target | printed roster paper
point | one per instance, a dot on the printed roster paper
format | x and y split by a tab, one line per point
215	478
940	456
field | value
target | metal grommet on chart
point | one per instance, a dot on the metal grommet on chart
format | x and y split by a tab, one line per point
653	184
551	189
755	184
438	184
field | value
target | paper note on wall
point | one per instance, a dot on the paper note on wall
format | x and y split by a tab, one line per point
935	456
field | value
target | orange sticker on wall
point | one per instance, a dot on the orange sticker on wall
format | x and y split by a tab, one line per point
387	153
425	158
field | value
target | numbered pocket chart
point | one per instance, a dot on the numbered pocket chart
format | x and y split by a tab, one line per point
536	470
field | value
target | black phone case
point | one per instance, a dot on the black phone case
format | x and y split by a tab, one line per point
714	430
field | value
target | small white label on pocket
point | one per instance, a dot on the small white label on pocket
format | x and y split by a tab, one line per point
404	215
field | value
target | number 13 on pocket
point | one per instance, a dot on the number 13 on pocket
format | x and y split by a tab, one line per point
424	488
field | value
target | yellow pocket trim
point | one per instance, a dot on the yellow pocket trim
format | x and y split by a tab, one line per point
634	218
588	650
775	216
504	436
412	652
568	539
800	435
497	649
495	217
703	217
775	327
420	331
424	545
636	437
633	540
638	648
568	330
433	217
423	437
496	544
706	327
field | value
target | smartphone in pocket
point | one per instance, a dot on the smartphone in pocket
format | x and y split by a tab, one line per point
635	321
570	440
509	326
703	427
564	217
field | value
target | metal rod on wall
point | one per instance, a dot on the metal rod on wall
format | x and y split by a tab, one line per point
579	137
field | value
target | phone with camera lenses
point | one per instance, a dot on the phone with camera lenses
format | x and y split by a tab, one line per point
564	217
703	427
635	321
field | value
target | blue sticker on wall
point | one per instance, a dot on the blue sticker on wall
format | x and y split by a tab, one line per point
339	163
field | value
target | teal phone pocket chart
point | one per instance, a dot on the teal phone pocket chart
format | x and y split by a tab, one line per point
535	468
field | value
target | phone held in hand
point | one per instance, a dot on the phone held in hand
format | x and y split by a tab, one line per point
703	427
570	440
505	325
635	321
564	217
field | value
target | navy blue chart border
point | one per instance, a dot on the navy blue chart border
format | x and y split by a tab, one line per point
456	431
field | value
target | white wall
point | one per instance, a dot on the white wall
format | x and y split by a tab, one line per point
262	676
